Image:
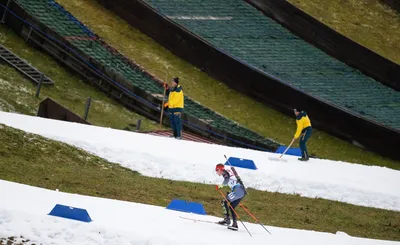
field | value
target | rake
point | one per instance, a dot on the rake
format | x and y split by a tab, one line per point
280	157
163	101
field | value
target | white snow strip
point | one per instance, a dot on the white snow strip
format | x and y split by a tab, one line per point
191	161
199	18
24	209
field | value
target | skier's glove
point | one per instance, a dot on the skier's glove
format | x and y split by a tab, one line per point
219	187
166	104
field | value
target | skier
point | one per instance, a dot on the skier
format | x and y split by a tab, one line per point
234	197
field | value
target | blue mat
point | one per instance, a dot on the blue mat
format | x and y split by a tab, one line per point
241	163
185	206
70	213
291	151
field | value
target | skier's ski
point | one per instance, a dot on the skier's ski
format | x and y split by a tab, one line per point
199	220
211	222
232	228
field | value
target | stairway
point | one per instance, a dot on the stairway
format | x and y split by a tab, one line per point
23	67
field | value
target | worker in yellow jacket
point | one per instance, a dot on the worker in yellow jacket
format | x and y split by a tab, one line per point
175	106
303	131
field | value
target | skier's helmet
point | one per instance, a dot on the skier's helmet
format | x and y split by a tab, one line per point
219	166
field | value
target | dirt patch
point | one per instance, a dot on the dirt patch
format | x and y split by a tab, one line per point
16	241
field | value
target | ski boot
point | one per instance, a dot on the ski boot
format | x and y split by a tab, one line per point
304	159
225	221
234	226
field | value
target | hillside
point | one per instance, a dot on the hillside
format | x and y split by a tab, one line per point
126	223
152	176
18	93
209	92
368	22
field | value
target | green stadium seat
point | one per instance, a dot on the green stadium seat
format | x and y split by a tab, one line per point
56	19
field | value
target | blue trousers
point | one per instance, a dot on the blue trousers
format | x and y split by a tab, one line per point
305	135
176	122
234	199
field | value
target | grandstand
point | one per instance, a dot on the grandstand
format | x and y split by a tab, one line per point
81	38
245	33
344	198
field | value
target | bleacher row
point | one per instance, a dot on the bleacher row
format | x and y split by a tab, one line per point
59	20
245	33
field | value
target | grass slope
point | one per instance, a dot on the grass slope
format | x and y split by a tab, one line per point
209	92
18	93
368	22
56	165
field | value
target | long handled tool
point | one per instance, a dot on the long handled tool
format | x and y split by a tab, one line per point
237	215
254	218
280	157
163	101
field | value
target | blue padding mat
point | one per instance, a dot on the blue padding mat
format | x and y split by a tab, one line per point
185	206
291	151
70	213
241	163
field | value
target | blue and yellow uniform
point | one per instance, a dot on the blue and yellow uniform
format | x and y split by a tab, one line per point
303	131
175	98
175	106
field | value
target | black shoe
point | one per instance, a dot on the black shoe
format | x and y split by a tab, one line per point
225	221
304	159
234	226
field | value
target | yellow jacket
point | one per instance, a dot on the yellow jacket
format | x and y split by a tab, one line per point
176	98
303	122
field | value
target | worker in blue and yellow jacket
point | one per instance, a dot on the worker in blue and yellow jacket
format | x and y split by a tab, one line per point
175	106
303	131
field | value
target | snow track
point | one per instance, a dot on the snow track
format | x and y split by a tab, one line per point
191	161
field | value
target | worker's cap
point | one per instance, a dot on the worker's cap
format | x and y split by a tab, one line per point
298	109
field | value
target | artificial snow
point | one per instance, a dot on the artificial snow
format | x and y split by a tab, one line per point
24	209
173	159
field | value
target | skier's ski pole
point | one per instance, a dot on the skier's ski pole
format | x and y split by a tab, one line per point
254	218
222	194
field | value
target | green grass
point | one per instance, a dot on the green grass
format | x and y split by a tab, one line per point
18	93
367	22
209	92
21	160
